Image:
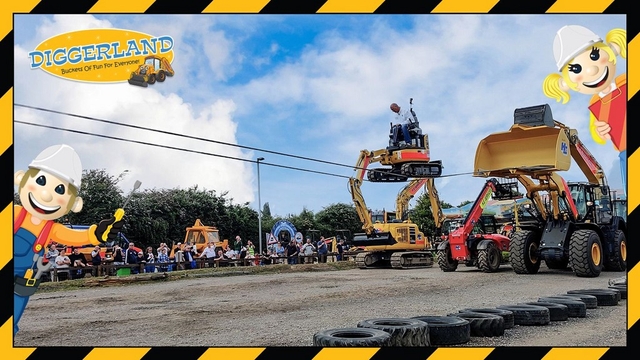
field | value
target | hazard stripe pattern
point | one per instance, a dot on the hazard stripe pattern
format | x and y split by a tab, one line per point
9	8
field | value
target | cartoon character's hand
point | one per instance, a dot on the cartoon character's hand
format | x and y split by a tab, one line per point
603	129
108	229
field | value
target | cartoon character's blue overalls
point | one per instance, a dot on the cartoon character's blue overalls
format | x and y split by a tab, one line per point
25	245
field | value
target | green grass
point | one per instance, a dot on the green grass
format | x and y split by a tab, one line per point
132	280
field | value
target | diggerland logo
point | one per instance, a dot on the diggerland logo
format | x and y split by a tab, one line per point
106	55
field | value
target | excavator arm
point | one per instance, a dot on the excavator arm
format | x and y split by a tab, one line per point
364	160
405	195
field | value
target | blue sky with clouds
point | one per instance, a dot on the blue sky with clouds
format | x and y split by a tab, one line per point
316	86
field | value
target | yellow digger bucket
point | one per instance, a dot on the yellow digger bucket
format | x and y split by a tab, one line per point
523	150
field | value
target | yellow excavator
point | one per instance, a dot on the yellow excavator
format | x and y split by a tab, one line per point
154	68
574	224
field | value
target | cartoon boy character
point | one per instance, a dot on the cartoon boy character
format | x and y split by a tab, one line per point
587	65
48	190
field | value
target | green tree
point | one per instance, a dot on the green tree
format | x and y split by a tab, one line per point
338	216
303	221
422	214
100	195
466	202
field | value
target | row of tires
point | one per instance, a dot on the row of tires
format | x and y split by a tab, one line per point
458	328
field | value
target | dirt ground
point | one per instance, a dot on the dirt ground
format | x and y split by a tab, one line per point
288	308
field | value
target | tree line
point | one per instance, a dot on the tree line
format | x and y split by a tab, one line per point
153	216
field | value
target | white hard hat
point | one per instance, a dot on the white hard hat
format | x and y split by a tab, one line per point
570	41
61	161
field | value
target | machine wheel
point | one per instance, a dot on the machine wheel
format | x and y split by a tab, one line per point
482	324
585	253
161	76
605	297
152	79
404	332
528	314
557	312
445	261
489	259
622	289
447	330
587	299
617	260
352	337
506	314
575	308
523	252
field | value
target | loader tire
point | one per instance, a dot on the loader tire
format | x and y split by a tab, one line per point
489	259
606	297
506	314
445	261
528	314
447	330
617	260
557	312
162	76
352	337
483	325
404	332
523	252
585	253
152	79
622	289
589	300
575	308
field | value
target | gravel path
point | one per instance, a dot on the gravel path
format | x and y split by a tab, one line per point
286	309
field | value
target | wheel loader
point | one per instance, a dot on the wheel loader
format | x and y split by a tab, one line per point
201	235
574	225
154	68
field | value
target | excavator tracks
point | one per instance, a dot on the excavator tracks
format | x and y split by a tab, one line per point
411	259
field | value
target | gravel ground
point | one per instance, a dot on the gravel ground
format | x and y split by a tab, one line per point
287	309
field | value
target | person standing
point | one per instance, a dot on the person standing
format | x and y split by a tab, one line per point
308	250
291	253
322	250
340	250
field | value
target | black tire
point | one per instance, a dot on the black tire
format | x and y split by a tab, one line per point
557	312
617	260
447	330
489	259
506	314
404	332
523	252
152	79
528	314
162	76
483	325
585	253
445	261
352	337
576	308
589	300
622	289
606	297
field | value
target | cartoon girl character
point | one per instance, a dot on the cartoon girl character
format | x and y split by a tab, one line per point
587	65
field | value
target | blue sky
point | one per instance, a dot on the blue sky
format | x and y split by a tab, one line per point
316	86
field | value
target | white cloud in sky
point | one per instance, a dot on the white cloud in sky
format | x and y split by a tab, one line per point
466	74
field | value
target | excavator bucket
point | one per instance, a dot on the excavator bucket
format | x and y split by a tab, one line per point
138	81
523	150
375	239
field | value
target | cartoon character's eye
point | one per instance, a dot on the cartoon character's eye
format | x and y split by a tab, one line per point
595	54
60	189
575	68
41	180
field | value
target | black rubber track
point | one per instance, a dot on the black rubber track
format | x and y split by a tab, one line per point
606	297
483	325
447	330
622	288
404	332
557	312
352	337
506	314
528	314
589	300
576	308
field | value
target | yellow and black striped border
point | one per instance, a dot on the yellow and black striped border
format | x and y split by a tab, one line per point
10	7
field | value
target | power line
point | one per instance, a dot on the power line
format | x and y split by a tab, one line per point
176	148
90	118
